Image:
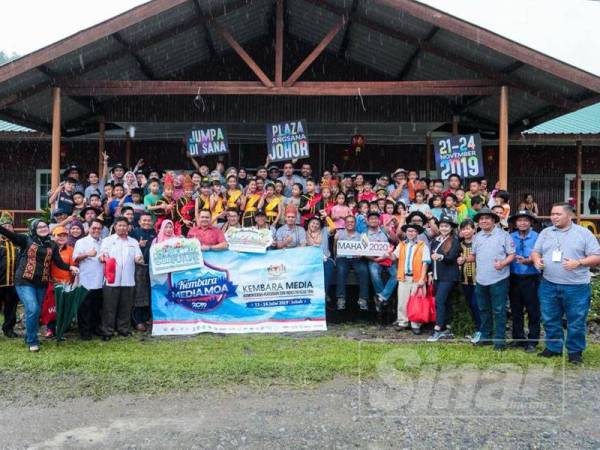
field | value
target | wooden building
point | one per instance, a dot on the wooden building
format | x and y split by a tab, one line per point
395	71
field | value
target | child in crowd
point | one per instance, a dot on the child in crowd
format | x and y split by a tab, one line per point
419	203
361	216
436	205
340	211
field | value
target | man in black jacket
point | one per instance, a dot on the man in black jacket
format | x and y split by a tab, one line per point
8	294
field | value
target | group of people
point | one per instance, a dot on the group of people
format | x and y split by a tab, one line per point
445	233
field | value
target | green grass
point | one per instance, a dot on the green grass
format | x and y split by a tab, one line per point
151	366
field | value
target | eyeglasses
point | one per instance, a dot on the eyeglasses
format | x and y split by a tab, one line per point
41	227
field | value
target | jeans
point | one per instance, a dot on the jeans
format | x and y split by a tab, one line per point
328	268
471	298
360	268
384	290
443	305
524	297
492	310
572	300
32	298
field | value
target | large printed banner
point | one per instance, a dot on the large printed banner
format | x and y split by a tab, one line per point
279	291
460	155
287	140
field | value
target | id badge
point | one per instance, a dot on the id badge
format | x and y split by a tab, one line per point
556	256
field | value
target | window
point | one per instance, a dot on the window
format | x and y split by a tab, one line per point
43	184
590	192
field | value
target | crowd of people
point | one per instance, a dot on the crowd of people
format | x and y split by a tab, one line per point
453	233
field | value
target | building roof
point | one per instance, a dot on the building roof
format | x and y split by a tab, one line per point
394	39
7	127
585	121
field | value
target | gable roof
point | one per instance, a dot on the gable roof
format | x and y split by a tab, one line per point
399	39
586	121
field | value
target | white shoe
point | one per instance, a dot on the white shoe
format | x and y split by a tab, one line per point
341	303
476	337
363	304
34	348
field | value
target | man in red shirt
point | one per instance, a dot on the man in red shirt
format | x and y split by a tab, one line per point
211	238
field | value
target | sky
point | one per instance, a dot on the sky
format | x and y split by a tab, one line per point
564	29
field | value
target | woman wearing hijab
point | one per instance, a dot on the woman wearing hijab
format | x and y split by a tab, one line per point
167	231
76	232
129	182
33	273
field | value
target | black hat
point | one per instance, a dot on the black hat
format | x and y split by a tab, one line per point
69	169
412	215
486	212
449	220
117	166
523	213
90	208
414	226
59	212
260	212
274	169
79	192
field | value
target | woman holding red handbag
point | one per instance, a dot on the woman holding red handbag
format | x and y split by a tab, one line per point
445	250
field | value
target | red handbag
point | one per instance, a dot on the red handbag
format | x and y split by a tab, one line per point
110	269
421	305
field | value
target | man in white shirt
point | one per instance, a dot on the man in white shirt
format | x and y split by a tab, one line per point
118	296
91	277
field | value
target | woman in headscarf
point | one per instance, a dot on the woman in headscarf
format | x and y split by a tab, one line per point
76	232
33	273
129	182
167	231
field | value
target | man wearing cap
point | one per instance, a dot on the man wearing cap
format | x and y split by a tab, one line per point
8	294
565	252
524	282
413	257
493	251
273	173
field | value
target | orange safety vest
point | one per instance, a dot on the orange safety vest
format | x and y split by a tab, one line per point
417	262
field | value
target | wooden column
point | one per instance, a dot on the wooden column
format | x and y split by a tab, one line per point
578	181
128	151
455	120
56	134
503	139
428	150
101	148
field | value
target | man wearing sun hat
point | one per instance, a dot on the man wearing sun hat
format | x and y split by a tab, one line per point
524	282
493	252
413	257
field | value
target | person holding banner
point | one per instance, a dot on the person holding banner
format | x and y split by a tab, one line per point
318	235
250	204
378	265
345	263
211	238
261	223
290	235
232	217
413	258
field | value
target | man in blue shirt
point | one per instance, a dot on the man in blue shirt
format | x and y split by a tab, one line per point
524	282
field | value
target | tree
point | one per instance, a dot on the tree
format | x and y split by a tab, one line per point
6	57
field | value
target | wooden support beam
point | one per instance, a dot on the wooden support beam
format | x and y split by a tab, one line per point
346	39
101	145
142	65
411	60
578	181
279	24
103	61
128	151
242	54
455	121
448	55
56	131
503	139
333	88
207	39
316	52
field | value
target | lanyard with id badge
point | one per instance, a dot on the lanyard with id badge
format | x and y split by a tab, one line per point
557	252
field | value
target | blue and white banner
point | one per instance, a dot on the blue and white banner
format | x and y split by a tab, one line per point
279	291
